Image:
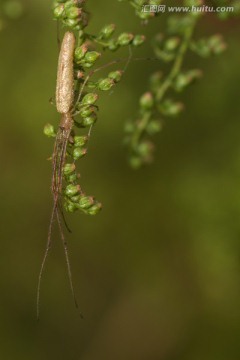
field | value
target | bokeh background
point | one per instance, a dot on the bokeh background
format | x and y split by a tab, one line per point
157	271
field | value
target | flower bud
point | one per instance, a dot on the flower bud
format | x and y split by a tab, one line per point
86	64
69	169
107	31
105	84
146	101
144	149
72	190
91	56
72	178
116	75
49	130
92	85
80	141
70	207
89	120
171	108
172	43
138	40
58	11
113	45
93	210
75	198
184	79
72	23
216	44
86	111
80	52
73	12
125	39
69	3
86	202
89	99
79	152
154	127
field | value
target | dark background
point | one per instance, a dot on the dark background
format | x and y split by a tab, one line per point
157	271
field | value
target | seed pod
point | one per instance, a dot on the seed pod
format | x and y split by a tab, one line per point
65	75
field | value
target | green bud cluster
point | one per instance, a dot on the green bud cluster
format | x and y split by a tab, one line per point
183	79
141	149
170	108
87	111
214	45
166	50
71	13
74	198
85	58
170	47
105	38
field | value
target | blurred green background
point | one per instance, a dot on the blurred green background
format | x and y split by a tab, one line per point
157	271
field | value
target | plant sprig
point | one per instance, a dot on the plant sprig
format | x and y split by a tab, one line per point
155	105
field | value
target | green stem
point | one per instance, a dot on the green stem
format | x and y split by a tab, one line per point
177	63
